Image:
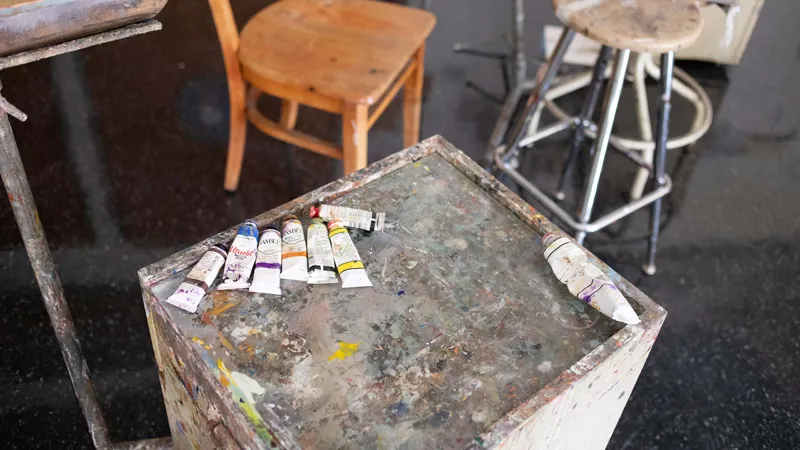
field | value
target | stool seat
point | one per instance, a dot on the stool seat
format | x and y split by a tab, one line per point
350	50
645	26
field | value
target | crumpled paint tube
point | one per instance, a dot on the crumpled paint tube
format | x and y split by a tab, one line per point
348	263
350	217
267	274
202	275
294	259
241	258
321	268
586	281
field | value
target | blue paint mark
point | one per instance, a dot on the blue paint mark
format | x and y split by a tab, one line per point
241	400
179	427
398	409
401	292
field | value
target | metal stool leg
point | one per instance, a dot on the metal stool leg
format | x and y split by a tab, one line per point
662	134
601	143
518	132
587	111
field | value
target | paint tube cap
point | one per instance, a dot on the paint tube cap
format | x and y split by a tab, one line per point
272	226
222	247
548	238
313	212
289	217
250	223
316	220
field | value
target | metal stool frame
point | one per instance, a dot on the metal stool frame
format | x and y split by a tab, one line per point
505	157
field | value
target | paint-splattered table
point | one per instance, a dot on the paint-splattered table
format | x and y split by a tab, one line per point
467	340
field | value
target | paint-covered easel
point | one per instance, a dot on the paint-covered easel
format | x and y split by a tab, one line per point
31	31
466	340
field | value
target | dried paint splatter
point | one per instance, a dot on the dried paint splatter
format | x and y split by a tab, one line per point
345	349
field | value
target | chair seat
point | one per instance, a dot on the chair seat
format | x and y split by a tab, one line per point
656	26
349	50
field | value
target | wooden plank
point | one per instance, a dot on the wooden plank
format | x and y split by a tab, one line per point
27	25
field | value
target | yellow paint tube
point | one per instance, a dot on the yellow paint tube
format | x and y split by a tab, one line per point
348	263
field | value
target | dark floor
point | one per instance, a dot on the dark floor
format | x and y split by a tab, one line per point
125	149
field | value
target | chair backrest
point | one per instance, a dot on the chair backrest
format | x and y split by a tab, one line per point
228	35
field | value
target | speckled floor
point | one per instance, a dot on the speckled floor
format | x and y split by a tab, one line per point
125	149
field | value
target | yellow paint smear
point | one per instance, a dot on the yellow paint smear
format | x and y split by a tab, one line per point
225	341
194	339
220	309
345	349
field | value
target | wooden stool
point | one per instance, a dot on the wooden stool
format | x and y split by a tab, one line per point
645	26
348	57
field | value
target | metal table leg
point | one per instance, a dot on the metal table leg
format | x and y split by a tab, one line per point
662	134
21	198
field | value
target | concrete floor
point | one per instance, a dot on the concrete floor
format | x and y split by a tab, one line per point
125	149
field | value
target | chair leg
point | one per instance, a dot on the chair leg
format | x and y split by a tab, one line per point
289	114
587	111
412	100
603	135
662	134
236	138
354	137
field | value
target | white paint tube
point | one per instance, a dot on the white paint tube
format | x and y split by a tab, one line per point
200	278
348	263
241	258
350	218
321	268
267	274
294	259
586	281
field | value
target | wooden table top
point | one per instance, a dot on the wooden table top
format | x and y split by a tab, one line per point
465	324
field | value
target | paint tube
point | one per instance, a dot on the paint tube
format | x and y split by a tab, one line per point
585	280
267	274
350	218
202	275
294	259
241	258
348	263
321	268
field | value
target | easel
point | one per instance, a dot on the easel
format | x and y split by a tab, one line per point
27	217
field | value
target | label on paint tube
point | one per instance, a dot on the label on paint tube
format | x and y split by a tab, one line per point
241	257
348	263
267	274
294	259
196	284
350	217
321	268
571	265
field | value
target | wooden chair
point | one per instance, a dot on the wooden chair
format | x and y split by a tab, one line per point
348	57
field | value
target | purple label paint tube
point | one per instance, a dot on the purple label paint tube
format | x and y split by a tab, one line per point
348	263
586	281
241	258
350	217
267	274
202	275
294	258
321	268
